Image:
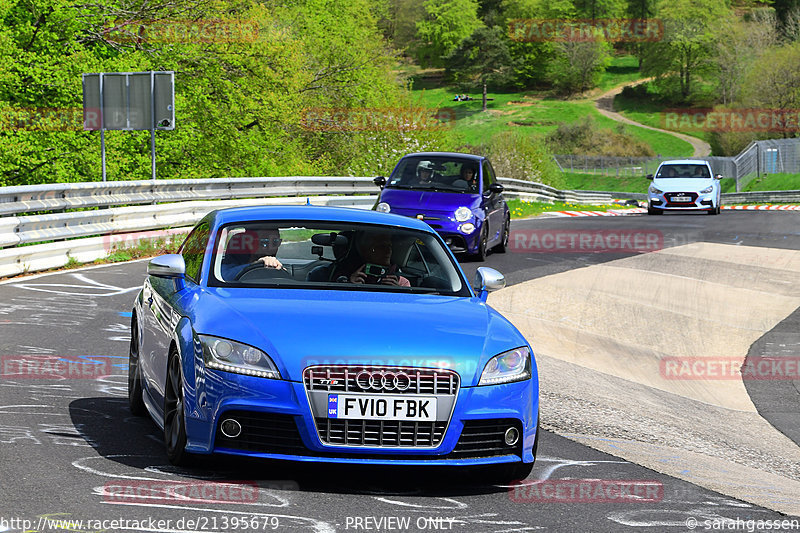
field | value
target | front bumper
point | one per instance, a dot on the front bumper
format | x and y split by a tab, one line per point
451	231
666	201
277	423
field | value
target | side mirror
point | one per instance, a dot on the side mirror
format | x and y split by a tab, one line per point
380	181
718	177
496	188
649	176
167	266
487	280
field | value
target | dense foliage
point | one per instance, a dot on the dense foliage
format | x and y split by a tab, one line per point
252	99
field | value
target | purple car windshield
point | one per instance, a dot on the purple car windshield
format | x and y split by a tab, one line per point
444	174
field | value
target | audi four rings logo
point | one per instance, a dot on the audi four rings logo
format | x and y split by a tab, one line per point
382	380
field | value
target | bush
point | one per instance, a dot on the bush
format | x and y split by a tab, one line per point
519	156
585	137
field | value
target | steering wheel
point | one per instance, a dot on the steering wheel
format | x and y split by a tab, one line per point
249	268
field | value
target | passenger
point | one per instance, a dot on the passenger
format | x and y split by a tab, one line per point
249	247
376	251
469	174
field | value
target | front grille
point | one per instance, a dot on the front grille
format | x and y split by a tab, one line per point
343	379
670	195
262	432
485	438
380	432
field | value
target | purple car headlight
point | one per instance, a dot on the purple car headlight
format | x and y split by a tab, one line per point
383	207
232	356
463	214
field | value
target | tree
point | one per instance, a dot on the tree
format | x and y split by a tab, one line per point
688	41
446	24
775	84
738	44
481	58
787	12
577	66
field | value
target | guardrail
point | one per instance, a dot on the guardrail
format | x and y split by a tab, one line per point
179	204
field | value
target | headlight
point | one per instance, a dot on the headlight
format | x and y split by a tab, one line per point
467	228
231	356
383	207
463	214
514	365
653	190
707	190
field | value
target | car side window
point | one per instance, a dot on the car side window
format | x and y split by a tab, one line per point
193	251
488	175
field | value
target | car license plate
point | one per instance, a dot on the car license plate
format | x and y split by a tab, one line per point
681	198
382	407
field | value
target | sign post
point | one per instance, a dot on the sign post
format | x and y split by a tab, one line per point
129	101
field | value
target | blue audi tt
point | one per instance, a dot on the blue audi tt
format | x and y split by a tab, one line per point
327	334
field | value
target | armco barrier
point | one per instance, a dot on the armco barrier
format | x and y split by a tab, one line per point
62	196
181	203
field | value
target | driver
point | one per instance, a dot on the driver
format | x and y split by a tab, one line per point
250	247
424	173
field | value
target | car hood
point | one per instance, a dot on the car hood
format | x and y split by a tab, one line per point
300	328
682	184
428	201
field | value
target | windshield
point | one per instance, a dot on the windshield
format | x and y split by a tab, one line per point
448	174
326	255
683	171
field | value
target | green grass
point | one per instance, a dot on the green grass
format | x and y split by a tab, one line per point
649	113
622	69
593	182
773	182
523	209
532	114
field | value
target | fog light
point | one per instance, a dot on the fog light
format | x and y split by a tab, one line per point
232	429
511	436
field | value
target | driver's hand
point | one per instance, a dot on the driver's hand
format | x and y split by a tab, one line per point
271	262
390	280
358	276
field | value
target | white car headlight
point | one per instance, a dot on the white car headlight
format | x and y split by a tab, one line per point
707	190
232	356
510	366
654	190
463	214
383	207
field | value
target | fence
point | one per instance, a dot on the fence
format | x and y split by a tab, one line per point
759	158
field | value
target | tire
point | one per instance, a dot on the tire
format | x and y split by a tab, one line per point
135	401
480	255
503	246
174	421
713	211
651	211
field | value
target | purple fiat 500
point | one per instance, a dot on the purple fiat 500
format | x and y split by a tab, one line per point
456	194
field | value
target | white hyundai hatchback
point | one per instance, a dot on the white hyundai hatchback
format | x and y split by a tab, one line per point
684	185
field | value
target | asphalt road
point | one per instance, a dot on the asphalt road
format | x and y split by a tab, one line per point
68	445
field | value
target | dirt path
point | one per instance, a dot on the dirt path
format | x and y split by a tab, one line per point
605	106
